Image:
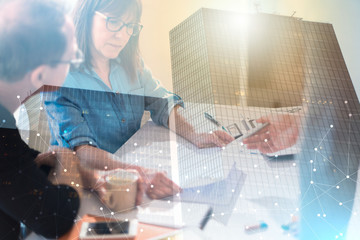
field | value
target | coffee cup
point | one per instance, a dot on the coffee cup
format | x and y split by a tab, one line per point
121	189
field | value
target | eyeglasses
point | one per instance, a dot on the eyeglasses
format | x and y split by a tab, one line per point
114	24
75	62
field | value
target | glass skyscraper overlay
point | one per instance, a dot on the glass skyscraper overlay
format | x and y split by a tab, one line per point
231	64
222	57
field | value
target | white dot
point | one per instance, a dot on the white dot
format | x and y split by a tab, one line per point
105	167
277	176
101	208
242	144
41	108
324	215
347	176
311	161
211	132
314	170
141	230
112	213
294	164
204	167
232	190
128	190
160	151
135	144
276	204
318	214
53	152
340	203
259	192
222	214
126	220
4	121
72	183
152	186
198	191
276	156
265	140
168	201
297	209
213	215
255	166
54	173
350	115
77	185
159	165
331	126
38	134
223	148
90	142
65	170
189	210
89	229
74	153
18	97
315	149
311	182
345	102
337	187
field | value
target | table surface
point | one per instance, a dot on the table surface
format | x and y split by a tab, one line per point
269	190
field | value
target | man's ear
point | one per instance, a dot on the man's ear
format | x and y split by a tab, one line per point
37	76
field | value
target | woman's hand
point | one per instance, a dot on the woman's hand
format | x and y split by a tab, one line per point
159	186
156	184
281	133
216	138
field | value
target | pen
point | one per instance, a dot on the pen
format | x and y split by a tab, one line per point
261	226
206	218
212	119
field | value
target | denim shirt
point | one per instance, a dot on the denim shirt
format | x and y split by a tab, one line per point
86	111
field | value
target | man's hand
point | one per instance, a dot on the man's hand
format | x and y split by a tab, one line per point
64	163
281	133
48	158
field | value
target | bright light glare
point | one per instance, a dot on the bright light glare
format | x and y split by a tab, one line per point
240	22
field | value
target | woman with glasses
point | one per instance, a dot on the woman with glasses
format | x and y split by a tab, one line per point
103	101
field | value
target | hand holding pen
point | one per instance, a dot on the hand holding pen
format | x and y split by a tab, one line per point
212	119
218	138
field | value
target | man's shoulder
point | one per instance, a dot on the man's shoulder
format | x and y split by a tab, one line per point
7	120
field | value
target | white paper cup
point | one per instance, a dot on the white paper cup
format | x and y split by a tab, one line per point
121	188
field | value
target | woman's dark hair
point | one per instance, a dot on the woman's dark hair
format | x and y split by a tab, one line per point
31	38
83	15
